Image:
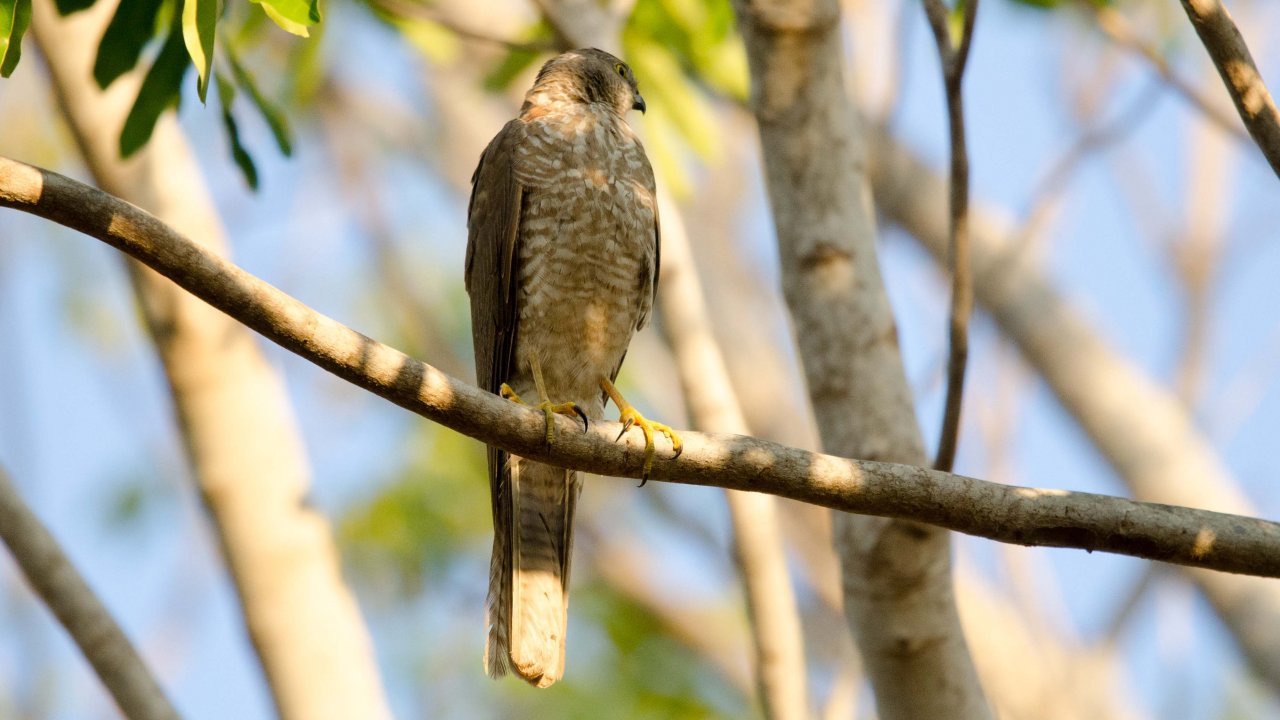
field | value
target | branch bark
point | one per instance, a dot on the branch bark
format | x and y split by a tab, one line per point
1230	54
1143	431
1025	516
897	575
235	420
88	622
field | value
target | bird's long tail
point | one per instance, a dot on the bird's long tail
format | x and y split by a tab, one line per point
527	609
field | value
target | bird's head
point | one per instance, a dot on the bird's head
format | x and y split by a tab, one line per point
589	76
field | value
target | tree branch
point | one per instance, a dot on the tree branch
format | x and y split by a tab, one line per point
1025	516
954	60
1117	27
74	603
1230	54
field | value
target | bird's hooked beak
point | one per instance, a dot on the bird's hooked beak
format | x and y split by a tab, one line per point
638	104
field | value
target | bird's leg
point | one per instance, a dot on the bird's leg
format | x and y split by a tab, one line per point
629	416
548	408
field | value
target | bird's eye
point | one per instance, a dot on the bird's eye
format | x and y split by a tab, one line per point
622	69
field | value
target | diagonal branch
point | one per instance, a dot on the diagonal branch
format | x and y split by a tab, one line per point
954	60
1118	28
87	621
1025	516
1230	54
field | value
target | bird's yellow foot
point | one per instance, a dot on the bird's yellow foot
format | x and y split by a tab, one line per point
630	417
549	409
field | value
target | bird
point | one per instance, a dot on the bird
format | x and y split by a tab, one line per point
562	259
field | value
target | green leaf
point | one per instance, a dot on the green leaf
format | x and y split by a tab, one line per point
161	90
66	7
227	97
128	32
15	17
272	114
293	16
199	26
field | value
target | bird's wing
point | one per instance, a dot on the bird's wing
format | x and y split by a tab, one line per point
493	232
657	262
493	228
649	302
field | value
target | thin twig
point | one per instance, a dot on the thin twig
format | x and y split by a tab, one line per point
1026	516
954	60
1117	27
74	603
1197	256
1230	54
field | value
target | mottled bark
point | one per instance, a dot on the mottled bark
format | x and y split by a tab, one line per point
1226	47
897	575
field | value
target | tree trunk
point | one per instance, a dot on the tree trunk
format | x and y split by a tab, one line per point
897	575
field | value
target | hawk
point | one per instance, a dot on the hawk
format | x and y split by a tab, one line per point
562	266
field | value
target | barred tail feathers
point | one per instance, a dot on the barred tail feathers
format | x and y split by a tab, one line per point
527	609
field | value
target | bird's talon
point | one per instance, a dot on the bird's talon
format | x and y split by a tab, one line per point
508	394
628	416
548	408
626	425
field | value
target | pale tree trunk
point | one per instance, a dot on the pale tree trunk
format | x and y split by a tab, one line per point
897	575
713	406
236	423
1143	431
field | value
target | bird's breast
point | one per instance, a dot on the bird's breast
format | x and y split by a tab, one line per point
586	257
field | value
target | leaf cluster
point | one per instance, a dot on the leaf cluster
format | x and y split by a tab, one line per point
186	33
